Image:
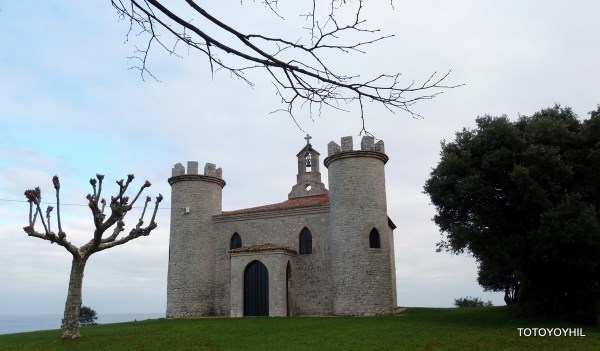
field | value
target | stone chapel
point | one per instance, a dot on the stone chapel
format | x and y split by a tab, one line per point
320	252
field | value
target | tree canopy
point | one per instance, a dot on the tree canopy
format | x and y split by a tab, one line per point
523	198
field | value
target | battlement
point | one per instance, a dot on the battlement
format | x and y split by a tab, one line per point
212	174
366	144
368	148
210	170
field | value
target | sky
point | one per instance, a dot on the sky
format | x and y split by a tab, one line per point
71	105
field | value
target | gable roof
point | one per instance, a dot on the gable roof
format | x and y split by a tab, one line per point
307	148
298	202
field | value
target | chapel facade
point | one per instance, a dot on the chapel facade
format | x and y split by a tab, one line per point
321	252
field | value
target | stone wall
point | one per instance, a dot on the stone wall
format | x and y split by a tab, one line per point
276	263
311	281
362	276
342	275
195	199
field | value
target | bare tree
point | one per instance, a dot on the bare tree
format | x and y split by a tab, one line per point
298	68
119	207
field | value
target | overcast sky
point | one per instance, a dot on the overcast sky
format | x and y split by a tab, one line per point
70	105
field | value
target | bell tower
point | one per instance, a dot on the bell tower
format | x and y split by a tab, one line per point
308	180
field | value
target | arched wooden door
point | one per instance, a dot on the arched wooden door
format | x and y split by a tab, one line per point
256	290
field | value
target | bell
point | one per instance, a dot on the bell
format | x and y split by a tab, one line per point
308	158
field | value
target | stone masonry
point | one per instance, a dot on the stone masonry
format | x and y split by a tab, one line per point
340	274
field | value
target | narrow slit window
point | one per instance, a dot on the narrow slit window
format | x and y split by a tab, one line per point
374	241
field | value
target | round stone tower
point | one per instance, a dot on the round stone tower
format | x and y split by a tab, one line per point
195	198
361	242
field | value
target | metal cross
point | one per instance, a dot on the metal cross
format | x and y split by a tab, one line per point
307	137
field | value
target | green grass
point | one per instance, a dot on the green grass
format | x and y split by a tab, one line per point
487	328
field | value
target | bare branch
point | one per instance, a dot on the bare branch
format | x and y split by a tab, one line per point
307	80
120	227
135	232
98	215
119	208
34	217
159	198
34	197
48	210
31	223
146	184
141	220
100	179
56	183
93	183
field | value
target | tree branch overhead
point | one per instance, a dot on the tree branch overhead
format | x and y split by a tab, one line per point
298	67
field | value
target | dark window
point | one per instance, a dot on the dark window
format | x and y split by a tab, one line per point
235	242
374	241
305	242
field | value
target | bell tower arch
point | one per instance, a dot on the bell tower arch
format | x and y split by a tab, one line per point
308	180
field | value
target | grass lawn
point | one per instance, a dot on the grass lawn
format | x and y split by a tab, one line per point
488	328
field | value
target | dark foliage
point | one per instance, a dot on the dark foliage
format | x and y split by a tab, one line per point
87	316
524	198
471	302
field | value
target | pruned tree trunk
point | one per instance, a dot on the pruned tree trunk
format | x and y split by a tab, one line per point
70	325
119	207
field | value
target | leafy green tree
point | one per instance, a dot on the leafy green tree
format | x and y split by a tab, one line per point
496	275
524	198
87	316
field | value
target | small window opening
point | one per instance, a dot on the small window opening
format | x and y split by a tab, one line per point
308	163
374	241
235	242
305	242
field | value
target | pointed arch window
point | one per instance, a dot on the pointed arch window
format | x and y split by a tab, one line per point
235	242
305	242
374	241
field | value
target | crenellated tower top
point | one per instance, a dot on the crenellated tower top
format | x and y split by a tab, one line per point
368	148
211	173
